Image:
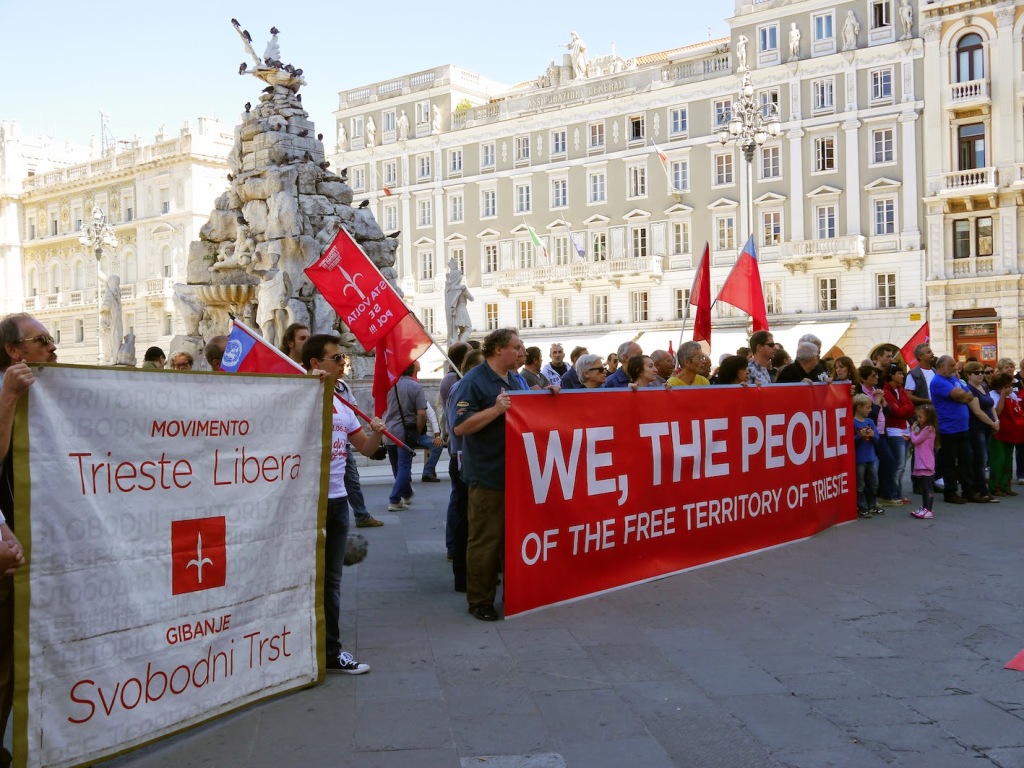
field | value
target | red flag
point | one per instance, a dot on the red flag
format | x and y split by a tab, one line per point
700	297
742	288
371	309
922	336
406	342
353	285
247	352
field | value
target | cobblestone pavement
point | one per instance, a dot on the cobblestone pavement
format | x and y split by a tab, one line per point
880	642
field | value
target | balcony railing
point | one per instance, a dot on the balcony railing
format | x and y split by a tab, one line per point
832	246
970	92
965	181
578	271
981	265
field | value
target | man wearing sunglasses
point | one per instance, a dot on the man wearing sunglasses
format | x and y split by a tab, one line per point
322	352
23	340
762	347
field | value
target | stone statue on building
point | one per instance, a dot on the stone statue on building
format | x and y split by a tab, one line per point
578	57
794	42
403	126
907	17
741	53
435	120
111	319
851	28
342	138
456	300
371	133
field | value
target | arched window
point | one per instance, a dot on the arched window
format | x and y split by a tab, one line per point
78	275
131	272
166	262
55	278
970	58
33	282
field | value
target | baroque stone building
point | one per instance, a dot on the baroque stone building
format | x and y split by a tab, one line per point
155	198
574	156
974	189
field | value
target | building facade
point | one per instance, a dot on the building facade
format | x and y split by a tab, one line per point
577	157
975	179
155	197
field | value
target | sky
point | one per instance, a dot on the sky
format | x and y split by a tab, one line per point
149	65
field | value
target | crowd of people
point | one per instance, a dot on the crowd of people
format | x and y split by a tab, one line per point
961	422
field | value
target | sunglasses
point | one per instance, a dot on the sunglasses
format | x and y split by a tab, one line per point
338	358
598	368
44	338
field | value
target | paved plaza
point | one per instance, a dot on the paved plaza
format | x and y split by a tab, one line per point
877	643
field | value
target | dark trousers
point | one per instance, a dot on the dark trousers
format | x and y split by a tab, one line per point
958	463
459	523
485	547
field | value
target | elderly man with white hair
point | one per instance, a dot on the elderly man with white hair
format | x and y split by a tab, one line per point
804	367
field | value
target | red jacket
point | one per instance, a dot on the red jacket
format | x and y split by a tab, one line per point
898	406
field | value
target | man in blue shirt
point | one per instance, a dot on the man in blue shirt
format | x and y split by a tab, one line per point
480	421
950	397
619	379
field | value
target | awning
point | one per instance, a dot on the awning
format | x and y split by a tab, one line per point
727	341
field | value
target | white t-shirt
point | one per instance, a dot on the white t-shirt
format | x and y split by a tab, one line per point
344	424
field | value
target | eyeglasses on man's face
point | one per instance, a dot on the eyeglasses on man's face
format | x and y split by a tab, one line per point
338	358
597	368
44	339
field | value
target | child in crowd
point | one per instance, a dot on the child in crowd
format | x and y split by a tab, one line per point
865	436
924	436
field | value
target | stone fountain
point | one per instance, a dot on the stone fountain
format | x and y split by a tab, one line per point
282	208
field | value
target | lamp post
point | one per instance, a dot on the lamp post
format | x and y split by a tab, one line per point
97	235
750	126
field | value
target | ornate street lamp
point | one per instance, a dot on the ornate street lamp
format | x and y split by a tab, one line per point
751	125
97	235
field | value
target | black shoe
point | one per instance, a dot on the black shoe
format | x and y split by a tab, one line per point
864	514
460	586
955	499
484	613
430	479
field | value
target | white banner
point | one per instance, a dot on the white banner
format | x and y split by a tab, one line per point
172	524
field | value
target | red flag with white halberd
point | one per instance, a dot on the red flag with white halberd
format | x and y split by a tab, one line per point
368	304
700	298
742	288
923	336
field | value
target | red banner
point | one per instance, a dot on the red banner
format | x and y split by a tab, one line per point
605	489
357	291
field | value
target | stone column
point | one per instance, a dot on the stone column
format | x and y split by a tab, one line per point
796	184
853	191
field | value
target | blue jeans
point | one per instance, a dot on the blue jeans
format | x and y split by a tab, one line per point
979	447
885	467
401	467
867	485
354	488
430	465
898	450
334	561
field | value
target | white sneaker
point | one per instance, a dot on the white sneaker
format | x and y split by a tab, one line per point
346	665
399	507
